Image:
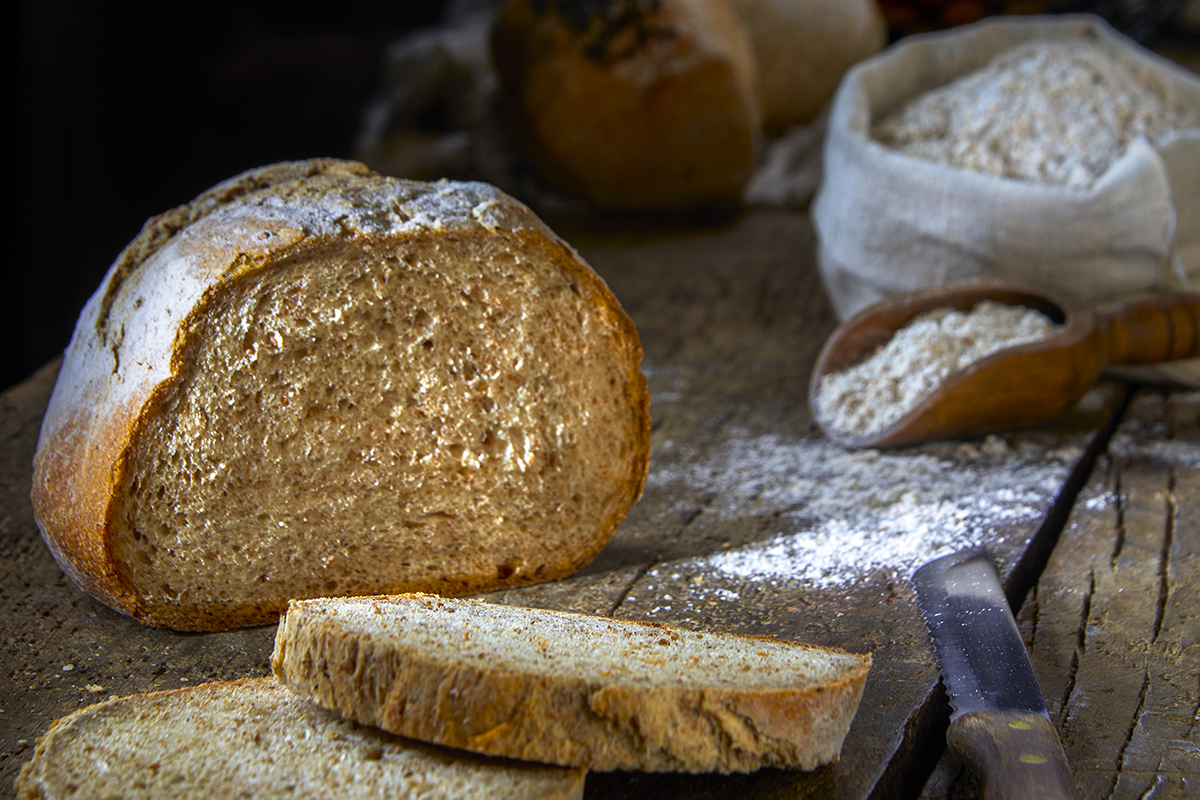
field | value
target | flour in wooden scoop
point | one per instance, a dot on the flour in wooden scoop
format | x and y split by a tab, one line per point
875	393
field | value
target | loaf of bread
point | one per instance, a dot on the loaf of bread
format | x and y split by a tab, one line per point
317	381
254	738
570	689
802	48
632	104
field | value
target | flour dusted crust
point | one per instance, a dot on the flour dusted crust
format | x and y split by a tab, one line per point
254	738
632	104
313	380
571	689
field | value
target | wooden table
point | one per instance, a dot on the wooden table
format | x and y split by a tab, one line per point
753	522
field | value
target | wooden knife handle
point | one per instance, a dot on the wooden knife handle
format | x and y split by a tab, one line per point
1153	330
1017	754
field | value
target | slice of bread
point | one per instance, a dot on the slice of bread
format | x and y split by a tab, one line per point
316	381
570	689
254	738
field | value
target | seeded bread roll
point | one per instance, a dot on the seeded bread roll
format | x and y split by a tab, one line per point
254	738
570	689
632	104
316	381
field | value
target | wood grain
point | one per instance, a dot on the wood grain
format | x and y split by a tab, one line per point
1124	587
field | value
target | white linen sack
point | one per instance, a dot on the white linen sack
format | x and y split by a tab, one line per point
888	222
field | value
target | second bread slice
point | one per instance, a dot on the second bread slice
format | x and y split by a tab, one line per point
570	689
254	738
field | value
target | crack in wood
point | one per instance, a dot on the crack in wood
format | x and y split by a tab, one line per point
1130	732
1121	505
1085	613
1158	781
1028	569
641	573
658	557
1191	728
1034	617
1069	689
1164	559
922	744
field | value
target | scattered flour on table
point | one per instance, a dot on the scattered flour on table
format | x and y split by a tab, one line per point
1179	453
842	515
1148	435
875	393
1050	112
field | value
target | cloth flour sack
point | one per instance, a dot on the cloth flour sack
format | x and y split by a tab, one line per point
888	222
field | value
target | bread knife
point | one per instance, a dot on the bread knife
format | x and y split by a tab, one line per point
999	723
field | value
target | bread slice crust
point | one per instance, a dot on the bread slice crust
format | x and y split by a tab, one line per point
253	737
570	689
156	355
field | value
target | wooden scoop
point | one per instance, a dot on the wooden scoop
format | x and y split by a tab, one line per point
1020	385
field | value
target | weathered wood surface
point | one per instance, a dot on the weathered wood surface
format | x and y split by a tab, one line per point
743	488
1113	624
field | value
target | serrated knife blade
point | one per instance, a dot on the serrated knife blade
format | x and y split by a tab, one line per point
999	723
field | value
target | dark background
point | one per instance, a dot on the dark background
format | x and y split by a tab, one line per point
123	114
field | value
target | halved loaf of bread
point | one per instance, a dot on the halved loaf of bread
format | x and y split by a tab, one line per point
570	689
254	738
314	381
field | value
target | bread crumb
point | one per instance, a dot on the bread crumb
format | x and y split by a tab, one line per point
94	688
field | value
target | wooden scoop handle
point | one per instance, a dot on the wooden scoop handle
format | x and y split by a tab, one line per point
1150	331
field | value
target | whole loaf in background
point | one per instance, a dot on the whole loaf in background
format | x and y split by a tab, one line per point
802	48
313	380
632	104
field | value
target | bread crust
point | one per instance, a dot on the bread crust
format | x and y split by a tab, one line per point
555	715
133	336
96	405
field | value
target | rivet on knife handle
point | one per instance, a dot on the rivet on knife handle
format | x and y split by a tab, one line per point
1017	754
